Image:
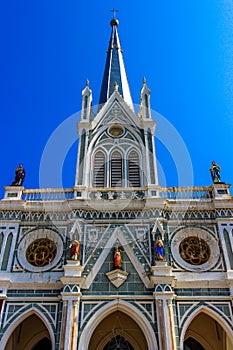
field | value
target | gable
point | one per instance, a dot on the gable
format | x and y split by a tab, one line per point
115	110
104	260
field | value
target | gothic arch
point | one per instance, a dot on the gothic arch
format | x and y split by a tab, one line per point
125	307
221	321
20	319
99	168
116	171
134	167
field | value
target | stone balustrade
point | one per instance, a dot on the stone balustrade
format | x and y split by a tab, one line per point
48	194
190	193
195	193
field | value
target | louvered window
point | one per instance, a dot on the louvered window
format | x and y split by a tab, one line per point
116	169
99	170
133	169
85	107
147	105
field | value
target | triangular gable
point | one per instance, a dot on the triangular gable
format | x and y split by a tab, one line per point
117	237
115	110
158	226
76	230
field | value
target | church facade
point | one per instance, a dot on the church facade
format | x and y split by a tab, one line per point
117	261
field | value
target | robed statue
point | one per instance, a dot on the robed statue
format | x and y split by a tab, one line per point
117	258
215	172
159	249
74	250
19	176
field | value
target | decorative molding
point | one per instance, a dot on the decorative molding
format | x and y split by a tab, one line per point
40	214
117	277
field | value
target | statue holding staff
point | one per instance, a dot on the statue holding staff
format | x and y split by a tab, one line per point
215	172
19	176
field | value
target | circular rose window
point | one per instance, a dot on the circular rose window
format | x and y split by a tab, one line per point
41	252
116	131
194	250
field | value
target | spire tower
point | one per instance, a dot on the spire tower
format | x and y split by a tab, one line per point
114	72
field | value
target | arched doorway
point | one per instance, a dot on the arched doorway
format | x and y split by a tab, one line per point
30	334
95	330
118	331
206	333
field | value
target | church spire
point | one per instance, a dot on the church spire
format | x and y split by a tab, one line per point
114	72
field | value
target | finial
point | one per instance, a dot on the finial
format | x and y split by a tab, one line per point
116	86
87	83
114	21
144	81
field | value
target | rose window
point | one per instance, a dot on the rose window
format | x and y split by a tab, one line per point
194	250
41	252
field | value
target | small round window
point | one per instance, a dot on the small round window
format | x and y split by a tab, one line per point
116	131
194	250
41	252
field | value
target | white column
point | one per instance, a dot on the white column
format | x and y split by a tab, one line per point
172	325
63	325
68	330
74	326
165	322
160	321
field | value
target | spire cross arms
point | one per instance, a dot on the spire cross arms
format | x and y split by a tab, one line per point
114	12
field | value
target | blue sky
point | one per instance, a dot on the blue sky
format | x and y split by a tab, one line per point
184	49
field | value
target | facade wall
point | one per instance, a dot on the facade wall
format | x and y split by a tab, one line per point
168	295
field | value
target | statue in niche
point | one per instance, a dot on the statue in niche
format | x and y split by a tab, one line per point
215	172
74	250
118	258
159	251
19	176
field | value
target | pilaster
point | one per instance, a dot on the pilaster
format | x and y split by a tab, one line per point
71	296
163	296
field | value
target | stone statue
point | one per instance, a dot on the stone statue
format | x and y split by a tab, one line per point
159	249
74	250
19	176
117	258
215	172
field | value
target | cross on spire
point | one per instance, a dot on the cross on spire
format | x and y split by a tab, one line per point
114	12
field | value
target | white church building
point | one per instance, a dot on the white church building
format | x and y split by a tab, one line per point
117	261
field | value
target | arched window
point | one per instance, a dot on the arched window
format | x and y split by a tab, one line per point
85	107
147	105
99	170
118	342
133	169
7	251
116	169
1	240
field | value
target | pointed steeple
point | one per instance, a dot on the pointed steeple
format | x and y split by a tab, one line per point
114	72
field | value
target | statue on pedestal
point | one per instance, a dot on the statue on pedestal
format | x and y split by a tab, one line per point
117	258
159	249
215	172
74	250
19	176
